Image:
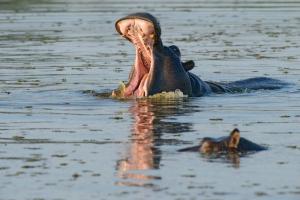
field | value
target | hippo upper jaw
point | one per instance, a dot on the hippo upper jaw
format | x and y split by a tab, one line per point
143	31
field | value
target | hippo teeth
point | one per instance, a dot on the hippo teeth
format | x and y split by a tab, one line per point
145	61
142	89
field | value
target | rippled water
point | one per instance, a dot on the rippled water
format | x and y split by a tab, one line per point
57	142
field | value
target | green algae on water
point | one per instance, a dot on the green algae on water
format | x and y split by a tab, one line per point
119	93
169	95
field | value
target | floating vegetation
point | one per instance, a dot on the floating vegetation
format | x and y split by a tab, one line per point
120	94
177	94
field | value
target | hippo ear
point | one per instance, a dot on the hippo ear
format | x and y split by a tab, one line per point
234	138
188	65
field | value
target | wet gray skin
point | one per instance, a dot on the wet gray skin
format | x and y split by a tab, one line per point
158	68
228	144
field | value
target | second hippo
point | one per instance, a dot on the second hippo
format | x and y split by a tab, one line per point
232	143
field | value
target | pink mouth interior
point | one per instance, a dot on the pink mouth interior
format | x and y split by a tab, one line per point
141	33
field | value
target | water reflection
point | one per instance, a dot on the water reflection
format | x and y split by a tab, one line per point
233	158
150	122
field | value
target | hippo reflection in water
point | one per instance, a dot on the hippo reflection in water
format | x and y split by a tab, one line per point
231	144
158	68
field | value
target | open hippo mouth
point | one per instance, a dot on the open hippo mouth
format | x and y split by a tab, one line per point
141	30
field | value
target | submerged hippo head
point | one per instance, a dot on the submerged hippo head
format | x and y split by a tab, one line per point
156	68
232	143
227	143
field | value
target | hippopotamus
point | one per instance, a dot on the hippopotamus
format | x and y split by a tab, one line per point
158	68
232	143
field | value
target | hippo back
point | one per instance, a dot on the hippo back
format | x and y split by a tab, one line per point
246	145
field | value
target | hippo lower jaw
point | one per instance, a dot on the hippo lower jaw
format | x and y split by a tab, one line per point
142	34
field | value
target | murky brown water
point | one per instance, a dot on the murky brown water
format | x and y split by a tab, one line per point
57	142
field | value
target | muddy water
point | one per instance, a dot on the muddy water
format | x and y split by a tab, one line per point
57	142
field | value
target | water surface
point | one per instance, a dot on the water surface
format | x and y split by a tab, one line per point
60	143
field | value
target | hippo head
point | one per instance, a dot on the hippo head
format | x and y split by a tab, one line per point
156	68
227	143
143	30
